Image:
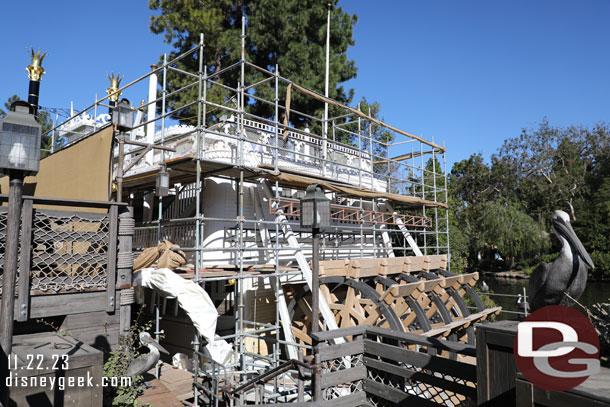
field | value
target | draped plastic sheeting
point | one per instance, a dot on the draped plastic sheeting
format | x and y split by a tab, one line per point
193	300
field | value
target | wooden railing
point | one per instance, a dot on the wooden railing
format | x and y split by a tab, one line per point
379	367
65	252
395	368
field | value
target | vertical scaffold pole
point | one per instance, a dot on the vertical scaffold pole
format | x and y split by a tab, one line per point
241	128
423	193
359	152
372	169
163	95
436	231
326	79
446	210
197	213
276	345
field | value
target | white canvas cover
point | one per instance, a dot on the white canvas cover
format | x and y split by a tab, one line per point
193	300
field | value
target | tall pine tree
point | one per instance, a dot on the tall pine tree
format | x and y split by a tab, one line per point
289	33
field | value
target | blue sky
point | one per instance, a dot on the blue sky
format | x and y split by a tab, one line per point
469	73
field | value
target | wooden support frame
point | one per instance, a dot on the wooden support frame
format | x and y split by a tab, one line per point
112	255
23	302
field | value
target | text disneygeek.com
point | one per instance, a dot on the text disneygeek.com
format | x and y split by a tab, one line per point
60	383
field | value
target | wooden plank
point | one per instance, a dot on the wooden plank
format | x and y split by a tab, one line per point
435	262
470	278
596	384
421	377
564	399
363	268
482	315
524	393
23	312
496	367
67	202
395	396
414	264
482	367
454	281
401	290
64	304
341	350
339	333
434	363
333	267
395	265
98	329
123	275
351	400
87	216
448	328
372	331
344	376
430	285
112	258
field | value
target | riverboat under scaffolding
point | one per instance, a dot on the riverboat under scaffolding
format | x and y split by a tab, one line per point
233	207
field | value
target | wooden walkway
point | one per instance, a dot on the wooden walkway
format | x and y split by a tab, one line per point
172	387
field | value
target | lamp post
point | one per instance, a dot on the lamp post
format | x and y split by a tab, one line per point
19	156
315	214
122	119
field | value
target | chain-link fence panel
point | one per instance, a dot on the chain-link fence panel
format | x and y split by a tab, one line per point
69	251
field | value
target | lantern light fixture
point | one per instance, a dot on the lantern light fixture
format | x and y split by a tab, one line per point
163	181
315	208
122	116
20	140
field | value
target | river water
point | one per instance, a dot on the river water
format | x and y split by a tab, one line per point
594	292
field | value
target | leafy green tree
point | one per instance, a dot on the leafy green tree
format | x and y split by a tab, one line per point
551	165
43	118
507	229
289	33
506	206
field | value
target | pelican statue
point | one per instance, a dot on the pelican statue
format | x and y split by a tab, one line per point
550	282
145	362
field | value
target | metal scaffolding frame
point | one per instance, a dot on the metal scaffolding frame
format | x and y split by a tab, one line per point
406	165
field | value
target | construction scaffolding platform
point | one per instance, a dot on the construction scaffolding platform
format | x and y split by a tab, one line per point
235	183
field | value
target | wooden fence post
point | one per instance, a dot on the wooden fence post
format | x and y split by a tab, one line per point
112	259
125	267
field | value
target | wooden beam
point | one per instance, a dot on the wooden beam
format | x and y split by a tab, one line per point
23	311
407	156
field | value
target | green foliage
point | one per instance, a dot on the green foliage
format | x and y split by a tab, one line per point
602	264
289	33
117	364
506	228
505	207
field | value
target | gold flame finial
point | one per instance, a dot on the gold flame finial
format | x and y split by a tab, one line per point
35	69
115	83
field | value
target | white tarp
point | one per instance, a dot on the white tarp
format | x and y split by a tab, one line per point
193	300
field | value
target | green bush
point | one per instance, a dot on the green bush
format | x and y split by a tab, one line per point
117	364
601	260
